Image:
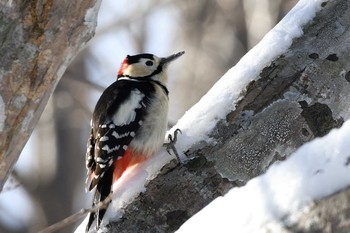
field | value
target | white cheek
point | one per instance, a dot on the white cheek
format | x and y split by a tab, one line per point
138	70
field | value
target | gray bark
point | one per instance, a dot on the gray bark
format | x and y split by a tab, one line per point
329	215
38	41
301	95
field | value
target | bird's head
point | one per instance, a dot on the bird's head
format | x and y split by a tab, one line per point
146	66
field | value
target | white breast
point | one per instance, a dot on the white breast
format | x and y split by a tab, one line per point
150	137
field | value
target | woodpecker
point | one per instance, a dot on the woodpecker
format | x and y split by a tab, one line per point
128	125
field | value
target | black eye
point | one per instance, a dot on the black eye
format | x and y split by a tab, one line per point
149	63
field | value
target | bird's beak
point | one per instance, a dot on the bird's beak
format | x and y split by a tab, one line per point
165	60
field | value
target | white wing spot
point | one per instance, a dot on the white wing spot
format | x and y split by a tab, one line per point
106	148
101	165
126	112
117	136
140	122
100	160
104	138
125	147
132	134
111	126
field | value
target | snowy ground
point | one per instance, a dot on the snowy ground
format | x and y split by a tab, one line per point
314	171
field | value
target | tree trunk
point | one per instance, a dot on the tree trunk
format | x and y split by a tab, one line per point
301	95
38	40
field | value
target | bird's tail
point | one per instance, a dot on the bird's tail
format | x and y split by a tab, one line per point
103	190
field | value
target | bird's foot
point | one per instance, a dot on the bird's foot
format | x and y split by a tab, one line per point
171	144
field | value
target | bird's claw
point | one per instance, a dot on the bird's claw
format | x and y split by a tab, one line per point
171	144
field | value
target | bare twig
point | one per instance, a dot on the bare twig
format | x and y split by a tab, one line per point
75	217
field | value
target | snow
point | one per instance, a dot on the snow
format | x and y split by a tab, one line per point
129	185
285	189
317	169
90	15
222	97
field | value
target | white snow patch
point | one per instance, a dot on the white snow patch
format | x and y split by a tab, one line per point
133	182
315	170
199	121
129	186
82	226
91	14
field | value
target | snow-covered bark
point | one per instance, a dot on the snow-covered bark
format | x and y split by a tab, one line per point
329	215
292	87
38	41
273	201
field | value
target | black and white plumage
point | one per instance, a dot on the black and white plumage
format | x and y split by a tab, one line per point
128	124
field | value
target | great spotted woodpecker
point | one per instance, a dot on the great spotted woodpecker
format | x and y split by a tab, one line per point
128	124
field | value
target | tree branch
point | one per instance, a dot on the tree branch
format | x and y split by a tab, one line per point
77	216
301	95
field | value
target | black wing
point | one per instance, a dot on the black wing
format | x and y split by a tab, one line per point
116	120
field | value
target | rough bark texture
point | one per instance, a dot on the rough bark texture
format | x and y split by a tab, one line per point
301	95
38	38
330	215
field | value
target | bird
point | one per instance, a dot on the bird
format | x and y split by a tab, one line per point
128	124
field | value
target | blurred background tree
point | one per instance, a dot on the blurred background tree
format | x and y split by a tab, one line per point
214	34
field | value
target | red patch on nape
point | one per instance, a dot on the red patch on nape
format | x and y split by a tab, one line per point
123	67
127	160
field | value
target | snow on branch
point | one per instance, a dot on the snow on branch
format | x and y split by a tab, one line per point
272	201
289	89
198	122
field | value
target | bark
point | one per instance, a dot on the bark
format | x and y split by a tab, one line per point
329	215
38	40
301	95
